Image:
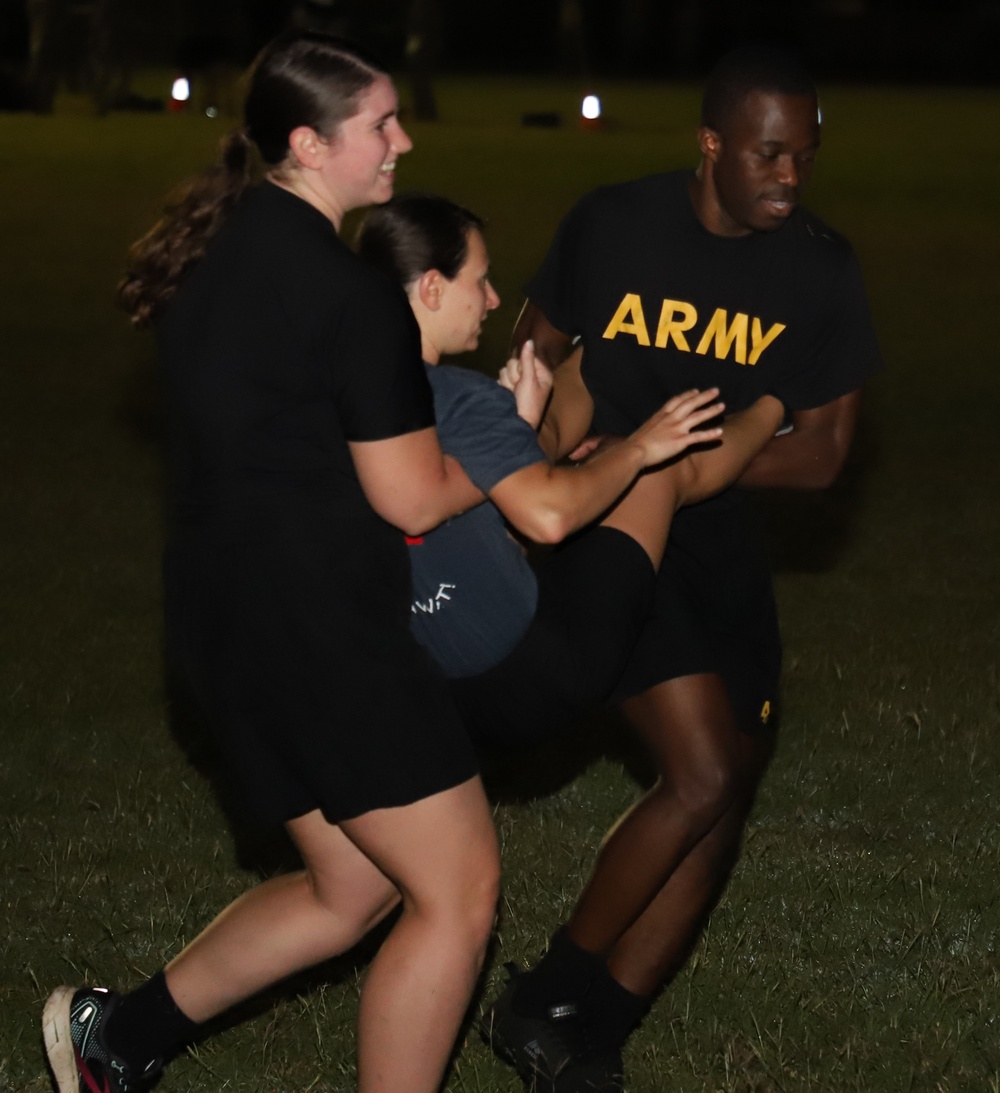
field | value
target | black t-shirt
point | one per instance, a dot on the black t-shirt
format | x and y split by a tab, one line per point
662	305
287	598
280	346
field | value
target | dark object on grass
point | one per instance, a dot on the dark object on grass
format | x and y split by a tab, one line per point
546	119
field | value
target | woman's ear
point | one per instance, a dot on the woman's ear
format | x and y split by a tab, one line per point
307	146
430	288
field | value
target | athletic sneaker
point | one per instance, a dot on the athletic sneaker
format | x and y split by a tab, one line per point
73	1025
539	1048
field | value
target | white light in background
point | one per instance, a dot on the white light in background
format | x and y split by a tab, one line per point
591	108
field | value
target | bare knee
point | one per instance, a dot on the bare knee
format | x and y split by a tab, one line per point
483	905
475	875
476	905
459	902
689	726
721	779
712	789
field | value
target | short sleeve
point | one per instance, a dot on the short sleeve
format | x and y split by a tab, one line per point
379	384
843	351
478	425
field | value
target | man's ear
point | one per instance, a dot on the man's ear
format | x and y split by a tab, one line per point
709	142
430	288
307	146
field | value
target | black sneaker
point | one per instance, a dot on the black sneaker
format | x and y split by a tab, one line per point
539	1048
72	1026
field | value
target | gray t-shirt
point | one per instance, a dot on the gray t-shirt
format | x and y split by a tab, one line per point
474	594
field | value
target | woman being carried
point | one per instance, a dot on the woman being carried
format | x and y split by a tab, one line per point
528	653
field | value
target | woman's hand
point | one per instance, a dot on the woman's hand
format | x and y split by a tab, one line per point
674	428
530	382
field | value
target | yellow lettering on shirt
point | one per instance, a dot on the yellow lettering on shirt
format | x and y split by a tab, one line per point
725	336
672	327
761	340
722	337
629	319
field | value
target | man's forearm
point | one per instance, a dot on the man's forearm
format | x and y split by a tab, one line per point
812	455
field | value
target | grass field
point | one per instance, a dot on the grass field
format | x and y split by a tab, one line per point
857	946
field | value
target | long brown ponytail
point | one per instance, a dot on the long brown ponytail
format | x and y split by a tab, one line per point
157	262
301	79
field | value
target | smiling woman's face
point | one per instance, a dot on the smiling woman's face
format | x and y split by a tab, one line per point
359	165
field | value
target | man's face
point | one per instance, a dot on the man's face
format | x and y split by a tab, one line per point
760	161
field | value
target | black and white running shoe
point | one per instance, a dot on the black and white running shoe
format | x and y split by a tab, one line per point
72	1028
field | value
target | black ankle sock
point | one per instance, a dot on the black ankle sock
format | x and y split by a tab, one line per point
562	975
611	1010
147	1024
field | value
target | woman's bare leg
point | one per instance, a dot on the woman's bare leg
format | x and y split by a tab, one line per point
283	925
440	855
743	435
646	511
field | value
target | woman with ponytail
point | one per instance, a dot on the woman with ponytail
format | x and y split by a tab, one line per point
300	439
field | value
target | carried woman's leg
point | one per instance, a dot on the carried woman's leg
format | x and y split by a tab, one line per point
645	512
594	594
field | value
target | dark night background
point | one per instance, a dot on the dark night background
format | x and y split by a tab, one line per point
947	41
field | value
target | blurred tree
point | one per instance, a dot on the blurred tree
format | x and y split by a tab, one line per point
86	45
571	44
42	66
635	33
423	52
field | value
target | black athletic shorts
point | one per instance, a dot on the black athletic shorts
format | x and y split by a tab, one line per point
713	611
304	668
594	593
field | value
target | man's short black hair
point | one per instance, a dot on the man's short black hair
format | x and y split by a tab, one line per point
748	68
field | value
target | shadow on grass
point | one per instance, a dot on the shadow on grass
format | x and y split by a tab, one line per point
527	774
